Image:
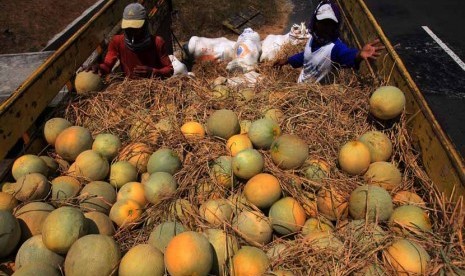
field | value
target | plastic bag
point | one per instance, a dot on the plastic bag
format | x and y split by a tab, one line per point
179	67
210	49
247	51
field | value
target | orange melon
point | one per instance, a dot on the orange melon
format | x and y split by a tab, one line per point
64	187
163	233
7	202
409	218
247	163
99	223
289	152
10	233
27	164
193	130
53	128
142	259
354	157
370	202
107	145
72	141
223	123
379	145
250	261
263	132
387	102
137	154
62	228
164	160
262	190
237	143
90	165
308	201
125	212
92	255
189	253
216	211
408	198
332	204
31	217
253	226
34	251
122	172
87	82
158	185
221	171
383	174
287	216
134	191
31	187
224	245
98	196
407	257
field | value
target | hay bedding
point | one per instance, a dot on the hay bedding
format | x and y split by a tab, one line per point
325	116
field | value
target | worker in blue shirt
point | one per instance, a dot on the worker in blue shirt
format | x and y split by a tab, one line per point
325	50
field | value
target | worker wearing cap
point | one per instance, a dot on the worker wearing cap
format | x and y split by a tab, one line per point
141	54
325	50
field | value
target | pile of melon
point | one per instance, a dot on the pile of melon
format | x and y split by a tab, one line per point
195	184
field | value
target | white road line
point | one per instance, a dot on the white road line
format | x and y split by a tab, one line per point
444	47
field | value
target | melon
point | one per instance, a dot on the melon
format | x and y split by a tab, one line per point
316	225
189	253
164	160
383	174
193	130
7	202
216	211
280	272
142	128
245	95
205	190
223	123
122	172
134	191
262	190
164	126
142	259
407	257
125	212
263	132
220	92
365	234
332	204
72	141
409	218
65	187
221	171
379	145
90	165
245	126
159	185
224	245
316	170
249	260
324	241
289	152
27	164
137	154
34	251
370	202
31	217
107	145
62	228
287	216
308	201
87	82
98	196
237	143
276	251
99	223
10	233
354	157
37	269
387	102
371	270
253	226
53	128
163	233
182	210
408	198
31	187
247	163
51	163
93	255
274	114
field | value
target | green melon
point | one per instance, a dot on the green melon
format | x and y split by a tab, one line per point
387	102
72	141
31	217
98	196
371	203
90	165
87	82
245	126
224	245
383	174
363	233
324	241
64	187
34	251
223	123
31	187
51	163
53	128
37	269
289	152
158	185
99	223
247	163
164	160
216	211
379	145
263	132
221	171
163	233
122	172
253	226
27	164
10	233
287	216
107	145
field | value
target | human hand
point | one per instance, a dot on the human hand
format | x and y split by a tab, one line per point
143	71
94	68
371	50
280	62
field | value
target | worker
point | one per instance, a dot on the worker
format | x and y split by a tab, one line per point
324	49
141	55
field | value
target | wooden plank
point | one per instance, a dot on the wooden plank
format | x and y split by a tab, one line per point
439	157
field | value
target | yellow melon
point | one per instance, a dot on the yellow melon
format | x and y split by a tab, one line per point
62	228
407	257
34	251
408	198
289	152
223	123
7	202
274	114
93	255
10	233
237	143
31	187
354	157
90	165
409	218
27	164
193	130
87	82
142	259
164	160
332	204
72	141
316	225
107	145
379	145
287	216
98	196
245	126
189	253
250	261
53	128
263	132
137	154
221	171
280	272
387	102
99	223
163	233
122	172
383	174
224	245
159	185
370	202
64	187
31	217
262	190
253	226
247	163
134	191
125	212
216	211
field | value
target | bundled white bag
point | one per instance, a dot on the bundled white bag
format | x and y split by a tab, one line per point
208	49
179	67
246	51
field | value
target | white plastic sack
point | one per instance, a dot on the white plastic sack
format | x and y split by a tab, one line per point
249	79
208	49
246	51
179	67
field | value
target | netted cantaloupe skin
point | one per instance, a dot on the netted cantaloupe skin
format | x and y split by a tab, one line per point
87	82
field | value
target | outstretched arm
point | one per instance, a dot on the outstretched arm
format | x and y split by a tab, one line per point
371	51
